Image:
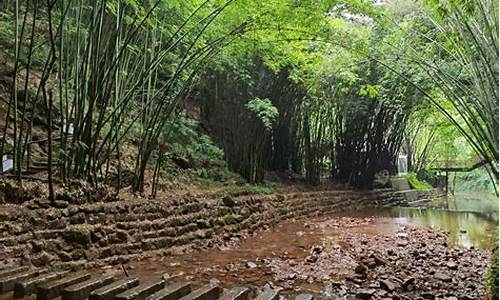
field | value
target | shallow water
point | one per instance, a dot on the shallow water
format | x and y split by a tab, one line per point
465	229
293	240
473	201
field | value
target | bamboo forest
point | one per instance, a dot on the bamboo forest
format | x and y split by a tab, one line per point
249	149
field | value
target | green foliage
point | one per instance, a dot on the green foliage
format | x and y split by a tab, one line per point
416	183
477	180
185	141
492	275
265	111
352	74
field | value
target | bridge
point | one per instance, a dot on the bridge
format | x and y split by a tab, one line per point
458	165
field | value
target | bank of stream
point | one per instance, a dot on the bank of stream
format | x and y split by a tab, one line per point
399	253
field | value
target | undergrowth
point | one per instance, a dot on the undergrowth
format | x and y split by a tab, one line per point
416	183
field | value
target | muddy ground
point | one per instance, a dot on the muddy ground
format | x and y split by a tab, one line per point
335	258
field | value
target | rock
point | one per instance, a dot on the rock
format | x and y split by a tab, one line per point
311	259
42	259
365	293
91	254
408	281
122	236
228	201
251	265
77	235
379	260
428	295
452	265
37	245
245	212
61	204
401	243
388	285
442	277
316	250
361	269
64	256
58	223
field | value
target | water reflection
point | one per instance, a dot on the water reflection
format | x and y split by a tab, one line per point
465	229
473	201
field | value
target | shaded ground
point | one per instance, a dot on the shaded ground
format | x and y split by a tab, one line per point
338	258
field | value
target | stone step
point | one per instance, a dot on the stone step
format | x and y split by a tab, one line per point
141	291
82	290
109	291
237	293
28	287
210	291
10	271
7	283
54	289
304	297
172	292
269	294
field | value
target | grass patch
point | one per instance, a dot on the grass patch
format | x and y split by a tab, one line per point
416	183
241	190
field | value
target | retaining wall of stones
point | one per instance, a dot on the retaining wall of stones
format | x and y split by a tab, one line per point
429	198
115	232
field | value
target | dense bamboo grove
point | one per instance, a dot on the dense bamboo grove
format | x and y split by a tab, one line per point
328	89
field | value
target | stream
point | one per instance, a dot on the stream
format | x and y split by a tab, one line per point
321	255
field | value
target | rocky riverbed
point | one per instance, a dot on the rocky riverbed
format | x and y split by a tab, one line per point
413	263
338	258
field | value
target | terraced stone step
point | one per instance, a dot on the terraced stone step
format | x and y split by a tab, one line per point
54	289
172	292
269	294
82	290
10	271
141	291
29	286
237	293
68	285
304	297
210	291
7	283
109	291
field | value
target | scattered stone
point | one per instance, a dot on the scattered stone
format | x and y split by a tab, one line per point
361	269
61	204
379	260
251	265
388	285
452	265
442	277
407	282
365	293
